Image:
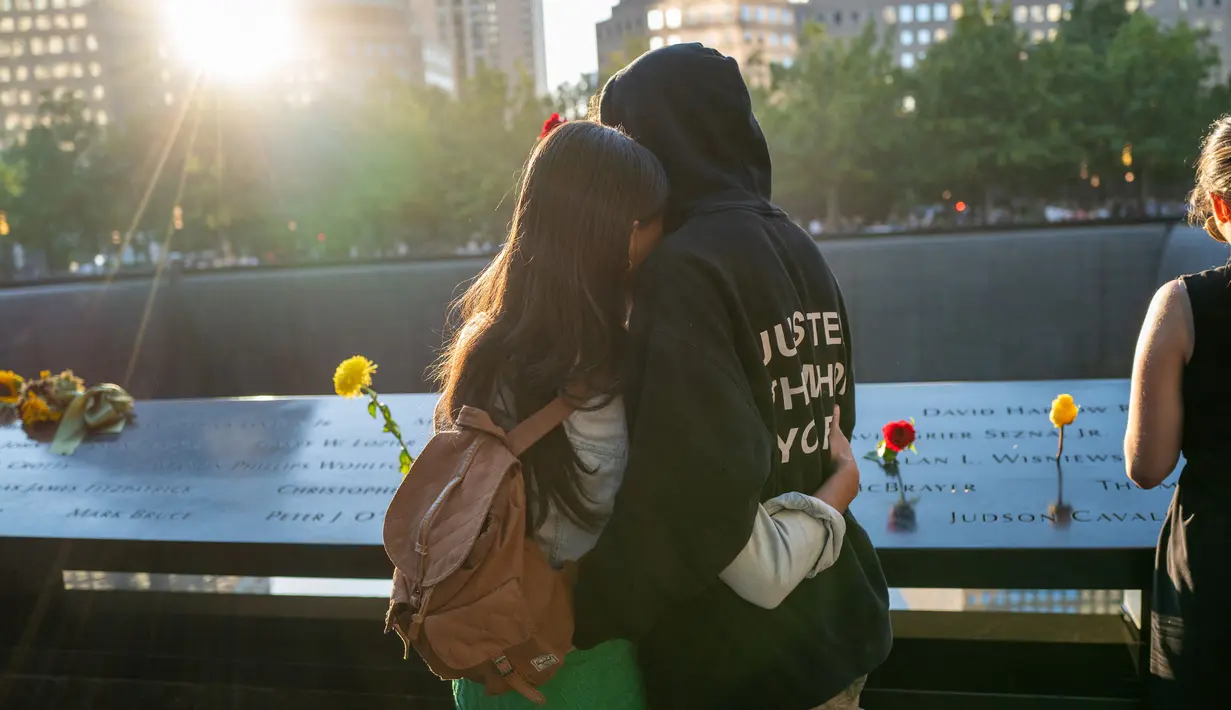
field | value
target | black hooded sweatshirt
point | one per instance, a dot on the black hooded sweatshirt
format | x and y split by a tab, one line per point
740	349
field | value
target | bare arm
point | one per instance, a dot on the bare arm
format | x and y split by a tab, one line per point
1156	405
840	489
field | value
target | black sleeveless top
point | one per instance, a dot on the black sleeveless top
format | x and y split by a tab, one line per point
1191	619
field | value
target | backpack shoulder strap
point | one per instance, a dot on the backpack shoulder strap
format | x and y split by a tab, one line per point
537	425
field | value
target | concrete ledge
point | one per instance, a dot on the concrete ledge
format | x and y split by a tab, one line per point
1061	303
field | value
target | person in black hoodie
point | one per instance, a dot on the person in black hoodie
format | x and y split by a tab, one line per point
739	351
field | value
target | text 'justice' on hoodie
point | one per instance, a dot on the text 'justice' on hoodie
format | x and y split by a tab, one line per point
740	348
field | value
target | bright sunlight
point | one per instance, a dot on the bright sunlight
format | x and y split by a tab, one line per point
233	40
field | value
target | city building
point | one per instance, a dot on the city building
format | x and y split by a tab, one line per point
123	57
432	29
1214	16
310	50
621	35
460	36
343	45
913	27
756	35
842	18
49	45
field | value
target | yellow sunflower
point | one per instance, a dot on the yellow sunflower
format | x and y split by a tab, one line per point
352	375
10	387
34	410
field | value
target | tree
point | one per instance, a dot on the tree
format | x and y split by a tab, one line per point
58	212
230	204
1159	79
1079	102
1132	98
830	116
573	99
634	46
413	165
980	126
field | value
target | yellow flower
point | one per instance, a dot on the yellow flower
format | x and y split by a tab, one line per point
1063	411
353	375
34	410
44	374
10	387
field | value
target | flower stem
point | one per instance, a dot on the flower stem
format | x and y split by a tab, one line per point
405	459
1059	470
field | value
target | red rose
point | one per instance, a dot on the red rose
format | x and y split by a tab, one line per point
898	435
552	123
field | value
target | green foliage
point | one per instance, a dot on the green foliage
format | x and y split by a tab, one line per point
987	116
634	47
990	117
413	165
57	169
982	107
831	116
1154	77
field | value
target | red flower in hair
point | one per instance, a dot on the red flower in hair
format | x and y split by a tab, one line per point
551	124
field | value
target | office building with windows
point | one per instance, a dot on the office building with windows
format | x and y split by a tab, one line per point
345	45
121	58
625	30
118	57
913	27
50	46
1213	16
460	36
756	35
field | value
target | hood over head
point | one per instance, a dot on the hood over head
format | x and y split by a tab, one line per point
690	106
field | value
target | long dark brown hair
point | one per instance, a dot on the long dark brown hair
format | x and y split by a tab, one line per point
547	315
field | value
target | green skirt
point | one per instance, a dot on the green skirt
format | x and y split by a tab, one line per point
603	678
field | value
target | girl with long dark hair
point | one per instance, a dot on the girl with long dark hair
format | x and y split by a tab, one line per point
547	317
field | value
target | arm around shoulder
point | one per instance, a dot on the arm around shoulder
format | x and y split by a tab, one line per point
794	537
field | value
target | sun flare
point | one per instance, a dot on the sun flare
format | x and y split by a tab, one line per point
234	40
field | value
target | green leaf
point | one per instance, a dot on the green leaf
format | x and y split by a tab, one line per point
372	409
404	462
913	450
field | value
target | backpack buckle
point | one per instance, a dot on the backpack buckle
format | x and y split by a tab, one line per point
503	667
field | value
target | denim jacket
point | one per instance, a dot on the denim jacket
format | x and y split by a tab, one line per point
600	438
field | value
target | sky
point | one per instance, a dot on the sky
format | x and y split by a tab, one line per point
569	28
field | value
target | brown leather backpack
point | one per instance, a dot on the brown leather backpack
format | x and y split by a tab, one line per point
472	593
